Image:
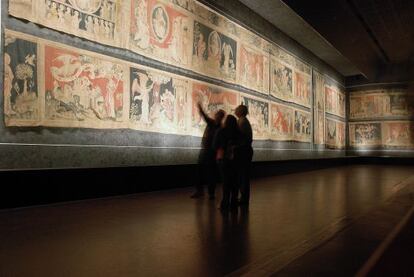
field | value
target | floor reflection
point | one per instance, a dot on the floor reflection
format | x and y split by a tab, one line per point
167	233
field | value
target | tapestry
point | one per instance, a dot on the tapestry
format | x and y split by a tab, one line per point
380	104
335	134
334	101
253	69
181	33
211	98
258	115
82	89
281	80
319	108
281	122
398	133
161	31
70	87
302	89
303	126
365	134
97	20
214	53
158	101
20	86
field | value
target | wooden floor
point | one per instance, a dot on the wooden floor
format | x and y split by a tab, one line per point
168	234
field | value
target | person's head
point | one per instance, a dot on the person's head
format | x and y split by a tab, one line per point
219	115
230	123
241	111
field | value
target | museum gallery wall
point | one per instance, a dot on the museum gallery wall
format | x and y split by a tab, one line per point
47	83
381	118
329	112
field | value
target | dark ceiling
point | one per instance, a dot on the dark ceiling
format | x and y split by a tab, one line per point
377	36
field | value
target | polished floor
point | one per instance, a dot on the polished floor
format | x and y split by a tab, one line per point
168	234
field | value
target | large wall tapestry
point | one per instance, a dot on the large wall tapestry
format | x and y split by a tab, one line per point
50	84
82	89
365	134
190	35
258	116
281	80
158	101
97	20
380	104
214	53
302	88
161	30
53	85
182	33
319	108
303	126
211	98
335	134
281	122
253	69
290	79
391	111
334	100
398	133
385	134
21	89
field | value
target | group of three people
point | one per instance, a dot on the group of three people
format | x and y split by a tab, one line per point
227	146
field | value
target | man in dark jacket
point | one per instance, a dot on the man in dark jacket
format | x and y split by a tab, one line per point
245	153
207	157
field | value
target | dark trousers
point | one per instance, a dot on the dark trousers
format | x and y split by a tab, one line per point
243	174
230	188
207	173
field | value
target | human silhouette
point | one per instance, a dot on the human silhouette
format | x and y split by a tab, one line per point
244	154
206	160
225	142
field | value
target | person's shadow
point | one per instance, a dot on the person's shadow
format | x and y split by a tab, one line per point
235	239
226	237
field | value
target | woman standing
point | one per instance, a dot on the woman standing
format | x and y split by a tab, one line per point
226	141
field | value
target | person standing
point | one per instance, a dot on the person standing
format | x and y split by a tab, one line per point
244	154
225	142
207	157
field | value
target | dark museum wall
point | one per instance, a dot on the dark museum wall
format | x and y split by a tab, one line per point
381	120
76	146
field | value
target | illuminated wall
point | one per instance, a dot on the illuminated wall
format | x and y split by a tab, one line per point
118	82
381	119
329	113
